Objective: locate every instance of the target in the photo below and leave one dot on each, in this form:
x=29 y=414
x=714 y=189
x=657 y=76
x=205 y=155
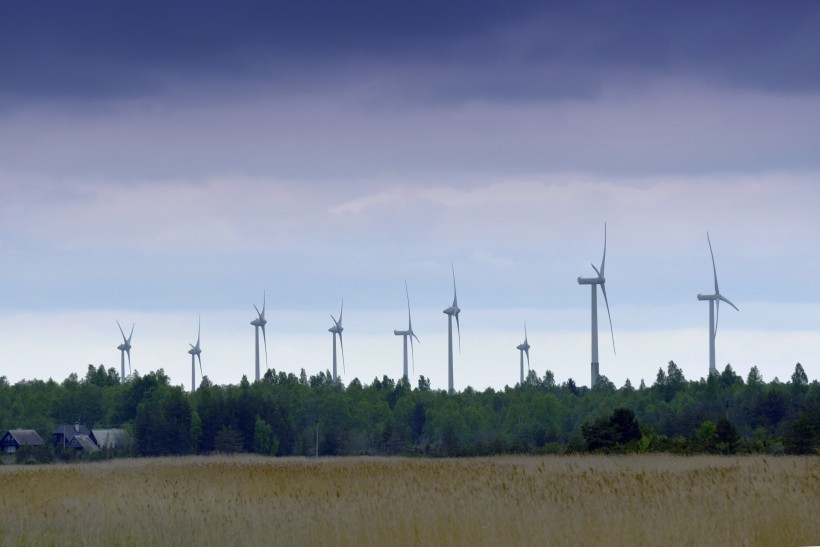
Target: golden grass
x=601 y=500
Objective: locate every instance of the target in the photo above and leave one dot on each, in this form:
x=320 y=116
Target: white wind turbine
x=524 y=348
x=714 y=315
x=195 y=352
x=124 y=348
x=451 y=312
x=337 y=328
x=260 y=321
x=594 y=282
x=408 y=333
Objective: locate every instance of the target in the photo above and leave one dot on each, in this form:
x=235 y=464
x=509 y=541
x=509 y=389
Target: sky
x=165 y=161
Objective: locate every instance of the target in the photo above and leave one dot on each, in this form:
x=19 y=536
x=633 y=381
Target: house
x=15 y=438
x=64 y=433
x=111 y=438
x=82 y=442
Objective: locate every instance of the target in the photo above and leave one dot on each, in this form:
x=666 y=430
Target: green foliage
x=34 y=454
x=801 y=437
x=614 y=433
x=278 y=415
x=228 y=441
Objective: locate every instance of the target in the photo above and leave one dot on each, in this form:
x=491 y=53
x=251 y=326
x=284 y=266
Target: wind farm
x=161 y=165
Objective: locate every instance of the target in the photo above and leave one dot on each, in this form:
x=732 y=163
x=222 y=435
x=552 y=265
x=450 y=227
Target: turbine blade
x=603 y=261
x=192 y=346
x=264 y=302
x=265 y=338
x=334 y=320
x=259 y=313
x=413 y=352
x=455 y=294
x=123 y=334
x=596 y=270
x=717 y=313
x=409 y=320
x=527 y=351
x=128 y=351
x=199 y=358
x=198 y=330
x=342 y=344
x=458 y=326
x=603 y=289
x=341 y=312
x=132 y=333
x=525 y=332
x=714 y=268
x=720 y=296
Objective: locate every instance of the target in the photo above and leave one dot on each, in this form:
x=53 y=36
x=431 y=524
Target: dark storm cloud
x=461 y=49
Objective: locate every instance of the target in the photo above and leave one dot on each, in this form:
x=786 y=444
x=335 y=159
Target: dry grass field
x=629 y=500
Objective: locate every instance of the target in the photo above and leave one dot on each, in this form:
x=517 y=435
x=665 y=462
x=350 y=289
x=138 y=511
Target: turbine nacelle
x=591 y=280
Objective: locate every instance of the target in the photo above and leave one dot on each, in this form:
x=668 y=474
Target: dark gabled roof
x=84 y=442
x=24 y=437
x=69 y=430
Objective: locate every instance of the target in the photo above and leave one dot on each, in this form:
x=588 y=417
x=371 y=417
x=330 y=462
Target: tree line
x=284 y=414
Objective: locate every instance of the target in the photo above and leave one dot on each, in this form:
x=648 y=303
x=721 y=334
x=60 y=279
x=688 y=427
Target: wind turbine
x=453 y=310
x=195 y=352
x=124 y=348
x=714 y=315
x=593 y=282
x=260 y=321
x=408 y=333
x=337 y=328
x=524 y=348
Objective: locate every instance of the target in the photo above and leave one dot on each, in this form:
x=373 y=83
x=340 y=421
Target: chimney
x=77 y=427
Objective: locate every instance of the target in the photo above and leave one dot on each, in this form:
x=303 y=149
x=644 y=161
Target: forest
x=284 y=414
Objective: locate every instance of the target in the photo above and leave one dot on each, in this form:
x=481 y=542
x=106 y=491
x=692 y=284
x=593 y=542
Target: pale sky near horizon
x=162 y=161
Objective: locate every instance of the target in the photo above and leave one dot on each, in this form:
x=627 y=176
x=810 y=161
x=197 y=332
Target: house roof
x=110 y=438
x=70 y=430
x=83 y=442
x=24 y=437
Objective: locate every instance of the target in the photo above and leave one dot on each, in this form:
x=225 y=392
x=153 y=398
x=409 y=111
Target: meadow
x=649 y=500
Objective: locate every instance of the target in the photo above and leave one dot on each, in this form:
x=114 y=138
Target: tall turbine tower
x=594 y=282
x=195 y=352
x=408 y=333
x=452 y=311
x=337 y=328
x=524 y=348
x=260 y=321
x=714 y=315
x=124 y=348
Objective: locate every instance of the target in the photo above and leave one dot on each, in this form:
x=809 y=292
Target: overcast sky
x=161 y=160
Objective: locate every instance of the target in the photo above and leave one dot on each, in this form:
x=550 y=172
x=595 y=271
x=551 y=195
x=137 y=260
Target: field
x=375 y=501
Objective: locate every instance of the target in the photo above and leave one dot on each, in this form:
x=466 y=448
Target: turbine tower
x=124 y=348
x=524 y=348
x=337 y=328
x=594 y=282
x=451 y=312
x=714 y=315
x=408 y=333
x=260 y=321
x=195 y=352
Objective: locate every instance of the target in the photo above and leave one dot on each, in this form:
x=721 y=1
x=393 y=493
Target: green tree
x=801 y=436
x=799 y=377
x=264 y=441
x=228 y=441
